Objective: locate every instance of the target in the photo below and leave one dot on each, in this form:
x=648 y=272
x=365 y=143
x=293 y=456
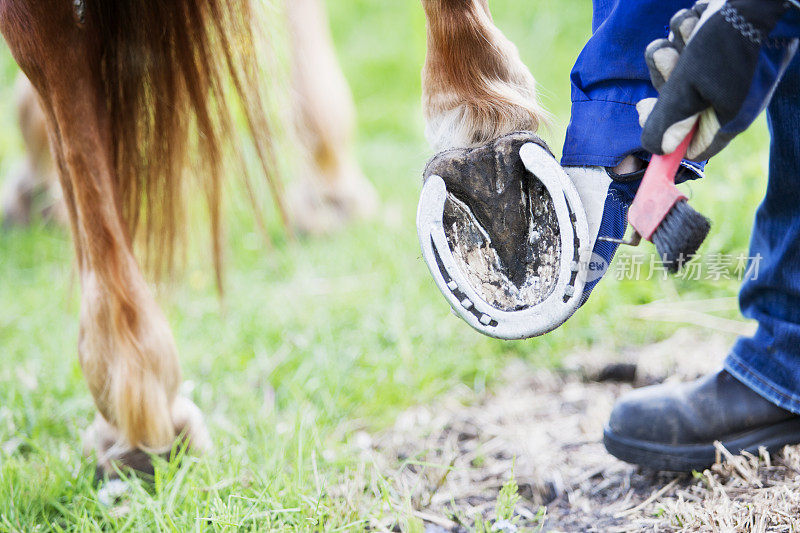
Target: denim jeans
x=609 y=78
x=769 y=362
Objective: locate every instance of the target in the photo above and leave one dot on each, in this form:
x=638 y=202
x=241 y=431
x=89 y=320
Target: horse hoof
x=115 y=455
x=321 y=209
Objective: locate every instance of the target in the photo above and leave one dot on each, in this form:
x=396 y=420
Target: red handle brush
x=660 y=213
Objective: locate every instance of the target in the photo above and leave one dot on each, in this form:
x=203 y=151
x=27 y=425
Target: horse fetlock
x=190 y=425
x=330 y=197
x=469 y=125
x=130 y=361
x=114 y=451
x=475 y=86
x=485 y=109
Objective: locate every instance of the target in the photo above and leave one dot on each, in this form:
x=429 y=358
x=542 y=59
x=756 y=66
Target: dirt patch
x=448 y=462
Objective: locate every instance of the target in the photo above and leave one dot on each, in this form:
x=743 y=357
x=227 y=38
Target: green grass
x=317 y=339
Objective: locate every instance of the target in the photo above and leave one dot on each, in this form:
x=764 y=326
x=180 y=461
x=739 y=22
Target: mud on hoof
x=114 y=454
x=500 y=221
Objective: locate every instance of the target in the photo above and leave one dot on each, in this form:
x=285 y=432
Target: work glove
x=606 y=198
x=718 y=70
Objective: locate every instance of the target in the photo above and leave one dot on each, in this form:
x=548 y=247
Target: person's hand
x=718 y=69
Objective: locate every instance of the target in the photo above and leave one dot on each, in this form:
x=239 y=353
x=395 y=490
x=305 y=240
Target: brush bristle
x=680 y=235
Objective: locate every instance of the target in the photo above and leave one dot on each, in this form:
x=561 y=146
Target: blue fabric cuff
x=603 y=133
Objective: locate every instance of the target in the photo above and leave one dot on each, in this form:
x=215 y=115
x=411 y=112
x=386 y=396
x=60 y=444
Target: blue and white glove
x=606 y=197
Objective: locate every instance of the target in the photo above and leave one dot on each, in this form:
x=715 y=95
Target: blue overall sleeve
x=610 y=77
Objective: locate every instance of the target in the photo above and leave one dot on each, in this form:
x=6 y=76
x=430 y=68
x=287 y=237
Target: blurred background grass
x=321 y=338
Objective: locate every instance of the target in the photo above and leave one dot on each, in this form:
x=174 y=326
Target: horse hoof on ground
x=16 y=202
x=14 y=219
x=321 y=209
x=115 y=455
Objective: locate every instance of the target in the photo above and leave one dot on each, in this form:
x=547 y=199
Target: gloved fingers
x=675 y=134
x=707 y=129
x=644 y=108
x=661 y=57
x=685 y=23
x=663 y=54
x=670 y=120
x=700 y=7
x=682 y=27
x=708 y=140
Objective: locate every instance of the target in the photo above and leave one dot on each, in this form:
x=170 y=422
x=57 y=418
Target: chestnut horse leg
x=36 y=176
x=475 y=87
x=331 y=189
x=125 y=347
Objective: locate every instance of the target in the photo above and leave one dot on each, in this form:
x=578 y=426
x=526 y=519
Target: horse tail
x=178 y=76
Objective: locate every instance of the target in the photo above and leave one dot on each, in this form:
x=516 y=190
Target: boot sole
x=689 y=457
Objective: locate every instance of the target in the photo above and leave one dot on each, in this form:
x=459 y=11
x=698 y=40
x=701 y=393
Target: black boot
x=674 y=427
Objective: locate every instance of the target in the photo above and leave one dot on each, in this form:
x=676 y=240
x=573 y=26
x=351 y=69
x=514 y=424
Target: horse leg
x=33 y=126
x=36 y=177
x=332 y=188
x=16 y=199
x=126 y=349
x=475 y=86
